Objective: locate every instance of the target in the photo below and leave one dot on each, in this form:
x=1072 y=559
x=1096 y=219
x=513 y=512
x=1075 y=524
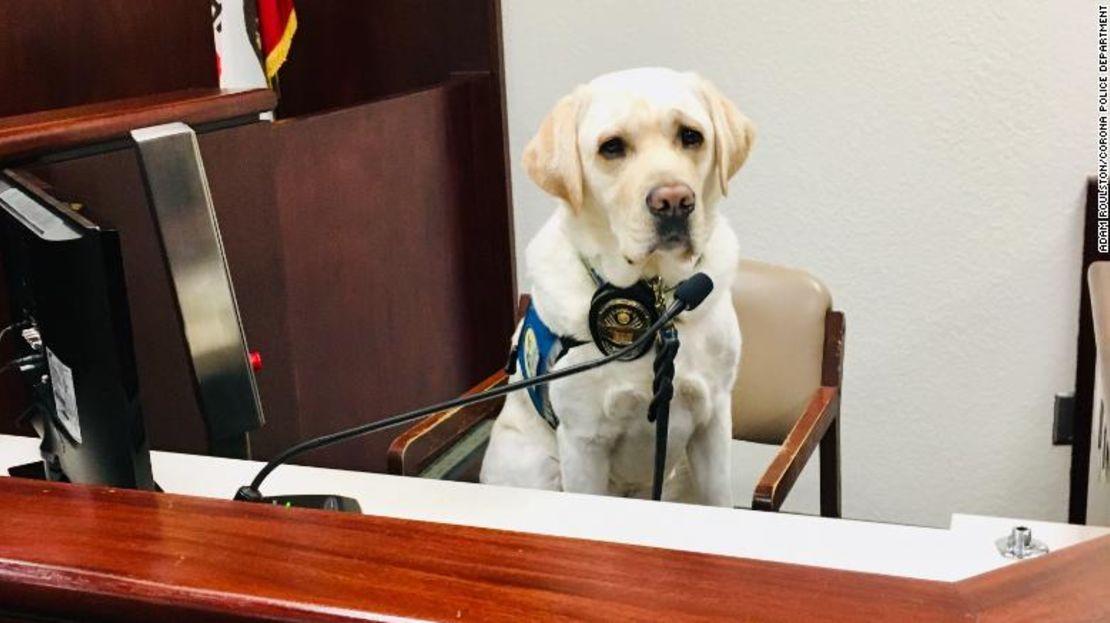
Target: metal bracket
x=1020 y=544
x=1063 y=419
x=180 y=201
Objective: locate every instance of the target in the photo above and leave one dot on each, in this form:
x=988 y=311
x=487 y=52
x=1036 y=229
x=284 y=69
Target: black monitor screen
x=66 y=288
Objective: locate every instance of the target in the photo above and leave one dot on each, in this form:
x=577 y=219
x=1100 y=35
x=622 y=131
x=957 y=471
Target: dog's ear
x=734 y=134
x=551 y=157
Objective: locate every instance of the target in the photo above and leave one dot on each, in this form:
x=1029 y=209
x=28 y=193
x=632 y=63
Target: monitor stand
x=37 y=471
x=34 y=471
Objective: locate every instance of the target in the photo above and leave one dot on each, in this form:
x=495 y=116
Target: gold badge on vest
x=619 y=316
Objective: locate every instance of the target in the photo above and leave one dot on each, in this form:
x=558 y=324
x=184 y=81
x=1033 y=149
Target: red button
x=256 y=361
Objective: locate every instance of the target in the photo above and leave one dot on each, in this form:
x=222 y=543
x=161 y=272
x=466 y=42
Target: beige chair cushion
x=1098 y=490
x=782 y=319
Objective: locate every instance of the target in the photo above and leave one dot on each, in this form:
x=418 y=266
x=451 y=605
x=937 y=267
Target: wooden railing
x=26 y=136
x=91 y=553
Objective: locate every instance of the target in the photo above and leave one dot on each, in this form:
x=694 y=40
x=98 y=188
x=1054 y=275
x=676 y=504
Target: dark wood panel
x=57 y=53
x=399 y=273
x=241 y=173
x=25 y=136
x=486 y=230
x=99 y=553
x=351 y=51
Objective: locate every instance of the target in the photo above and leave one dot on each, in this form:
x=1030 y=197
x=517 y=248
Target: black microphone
x=694 y=290
x=688 y=295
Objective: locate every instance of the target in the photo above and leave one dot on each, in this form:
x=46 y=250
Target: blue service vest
x=538 y=349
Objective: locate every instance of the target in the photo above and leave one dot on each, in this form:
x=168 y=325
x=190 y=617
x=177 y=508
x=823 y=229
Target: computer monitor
x=68 y=298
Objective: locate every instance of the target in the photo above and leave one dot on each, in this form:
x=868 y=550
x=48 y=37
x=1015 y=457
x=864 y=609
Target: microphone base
x=325 y=502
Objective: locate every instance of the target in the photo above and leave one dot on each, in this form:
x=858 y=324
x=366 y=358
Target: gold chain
x=660 y=295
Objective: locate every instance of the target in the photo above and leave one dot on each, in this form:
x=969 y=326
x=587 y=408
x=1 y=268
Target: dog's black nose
x=671 y=200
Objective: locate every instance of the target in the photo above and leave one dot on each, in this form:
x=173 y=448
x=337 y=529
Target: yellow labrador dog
x=637 y=160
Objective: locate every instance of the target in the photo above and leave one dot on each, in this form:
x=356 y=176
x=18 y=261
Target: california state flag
x=252 y=40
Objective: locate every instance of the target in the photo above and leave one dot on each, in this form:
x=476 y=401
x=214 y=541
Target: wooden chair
x=787 y=392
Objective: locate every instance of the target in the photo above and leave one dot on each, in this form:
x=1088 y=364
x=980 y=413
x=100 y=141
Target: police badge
x=619 y=316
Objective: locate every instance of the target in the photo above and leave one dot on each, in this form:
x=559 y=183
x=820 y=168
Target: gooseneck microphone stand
x=688 y=295
x=659 y=411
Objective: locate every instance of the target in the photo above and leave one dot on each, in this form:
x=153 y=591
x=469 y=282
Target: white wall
x=927 y=160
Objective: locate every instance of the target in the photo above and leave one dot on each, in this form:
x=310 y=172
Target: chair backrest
x=1098 y=489
x=782 y=315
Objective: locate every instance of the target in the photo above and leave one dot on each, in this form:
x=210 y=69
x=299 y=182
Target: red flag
x=277 y=21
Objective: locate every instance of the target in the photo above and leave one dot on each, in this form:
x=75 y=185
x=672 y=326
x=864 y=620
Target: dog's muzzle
x=670 y=206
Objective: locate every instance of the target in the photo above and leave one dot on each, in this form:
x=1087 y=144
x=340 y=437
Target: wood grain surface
x=62 y=53
x=397 y=259
x=92 y=553
x=24 y=136
x=349 y=52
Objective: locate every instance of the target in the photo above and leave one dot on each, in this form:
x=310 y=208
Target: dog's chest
x=613 y=401
x=624 y=427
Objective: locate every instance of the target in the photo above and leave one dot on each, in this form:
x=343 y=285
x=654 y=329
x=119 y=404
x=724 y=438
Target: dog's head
x=645 y=154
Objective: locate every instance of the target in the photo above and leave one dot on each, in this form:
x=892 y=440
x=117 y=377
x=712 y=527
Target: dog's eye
x=612 y=148
x=690 y=137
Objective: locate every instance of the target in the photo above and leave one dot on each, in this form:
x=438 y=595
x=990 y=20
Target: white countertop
x=965 y=549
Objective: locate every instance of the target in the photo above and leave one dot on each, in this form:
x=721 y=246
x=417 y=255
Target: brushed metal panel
x=179 y=198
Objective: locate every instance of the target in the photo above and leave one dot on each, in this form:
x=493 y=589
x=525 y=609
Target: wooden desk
x=94 y=553
x=34 y=134
x=88 y=553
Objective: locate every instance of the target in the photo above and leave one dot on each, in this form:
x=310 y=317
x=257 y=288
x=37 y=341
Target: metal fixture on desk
x=1020 y=544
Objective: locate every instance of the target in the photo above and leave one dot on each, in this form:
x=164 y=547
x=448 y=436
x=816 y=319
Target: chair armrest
x=823 y=409
x=418 y=446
